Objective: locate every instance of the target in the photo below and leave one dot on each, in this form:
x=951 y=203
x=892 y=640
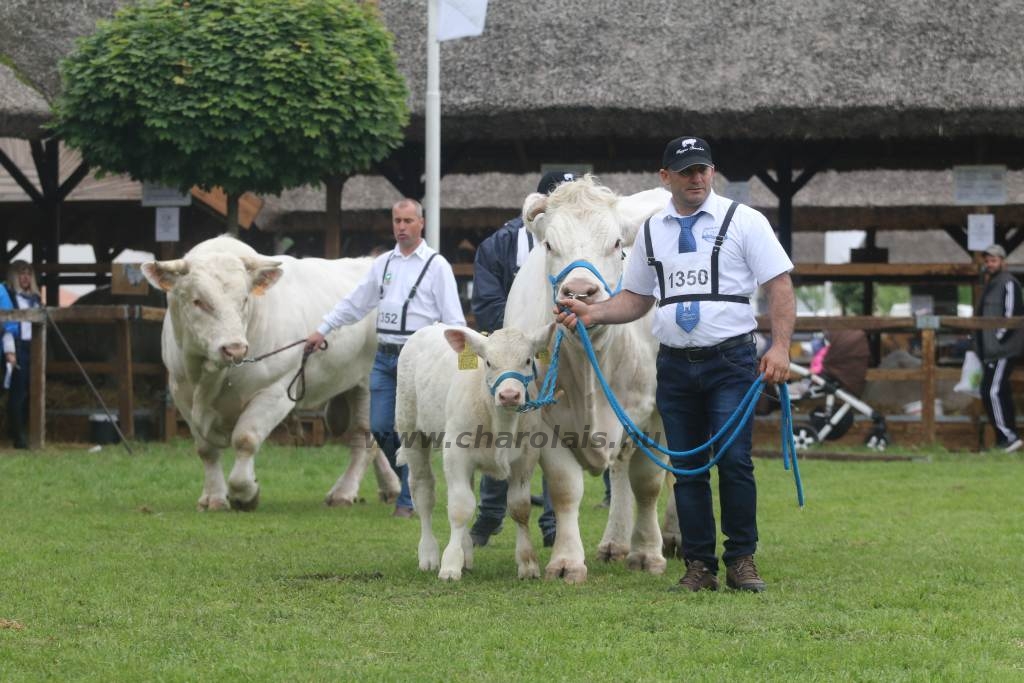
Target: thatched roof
x=648 y=70
x=731 y=69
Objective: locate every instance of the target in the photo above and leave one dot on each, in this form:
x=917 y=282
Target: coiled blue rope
x=745 y=408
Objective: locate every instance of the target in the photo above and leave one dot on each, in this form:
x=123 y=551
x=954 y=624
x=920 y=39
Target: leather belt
x=390 y=349
x=697 y=354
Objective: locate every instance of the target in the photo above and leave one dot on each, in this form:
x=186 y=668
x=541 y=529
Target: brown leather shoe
x=742 y=575
x=402 y=511
x=697 y=578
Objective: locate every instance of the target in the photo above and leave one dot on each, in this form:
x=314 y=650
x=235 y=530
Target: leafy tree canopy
x=250 y=95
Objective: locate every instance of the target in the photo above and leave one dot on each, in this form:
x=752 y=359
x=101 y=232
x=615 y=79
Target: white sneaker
x=1015 y=446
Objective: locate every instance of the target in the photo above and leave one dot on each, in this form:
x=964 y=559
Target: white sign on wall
x=979 y=185
x=167 y=223
x=981 y=231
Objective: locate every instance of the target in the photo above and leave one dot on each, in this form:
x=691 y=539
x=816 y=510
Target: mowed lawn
x=893 y=571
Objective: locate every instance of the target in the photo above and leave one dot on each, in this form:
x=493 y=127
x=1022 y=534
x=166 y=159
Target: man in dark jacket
x=998 y=348
x=498 y=259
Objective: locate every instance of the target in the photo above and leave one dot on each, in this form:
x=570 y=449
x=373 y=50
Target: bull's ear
x=637 y=208
x=540 y=338
x=264 y=273
x=164 y=274
x=533 y=214
x=459 y=338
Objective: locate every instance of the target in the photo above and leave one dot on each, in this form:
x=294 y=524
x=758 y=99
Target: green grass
x=893 y=571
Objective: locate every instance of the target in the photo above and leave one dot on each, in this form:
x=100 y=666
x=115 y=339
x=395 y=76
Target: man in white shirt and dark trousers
x=411 y=286
x=701 y=259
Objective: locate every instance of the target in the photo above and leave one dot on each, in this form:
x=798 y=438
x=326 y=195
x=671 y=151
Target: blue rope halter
x=511 y=374
x=546 y=395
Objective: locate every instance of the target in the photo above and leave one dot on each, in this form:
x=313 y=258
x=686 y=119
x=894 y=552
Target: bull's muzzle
x=234 y=352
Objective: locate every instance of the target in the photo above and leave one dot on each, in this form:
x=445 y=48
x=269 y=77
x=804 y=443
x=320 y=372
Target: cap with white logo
x=685 y=152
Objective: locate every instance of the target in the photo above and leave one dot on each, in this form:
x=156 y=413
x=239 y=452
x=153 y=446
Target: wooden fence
x=123 y=317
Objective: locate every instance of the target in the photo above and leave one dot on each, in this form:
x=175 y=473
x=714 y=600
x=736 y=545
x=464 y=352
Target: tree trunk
x=332 y=227
x=232 y=213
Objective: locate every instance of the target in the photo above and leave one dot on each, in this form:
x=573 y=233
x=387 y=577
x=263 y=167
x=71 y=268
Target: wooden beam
x=928 y=384
x=126 y=393
x=72 y=181
x=37 y=389
x=19 y=177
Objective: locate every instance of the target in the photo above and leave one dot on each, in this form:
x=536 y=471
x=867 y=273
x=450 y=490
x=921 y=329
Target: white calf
x=473 y=414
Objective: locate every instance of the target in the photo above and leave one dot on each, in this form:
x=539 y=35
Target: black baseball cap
x=552 y=179
x=685 y=152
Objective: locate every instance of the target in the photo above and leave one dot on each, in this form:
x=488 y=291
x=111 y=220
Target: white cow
x=585 y=221
x=226 y=303
x=476 y=411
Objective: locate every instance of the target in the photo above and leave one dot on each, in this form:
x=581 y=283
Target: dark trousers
x=383 y=382
x=695 y=400
x=17 y=396
x=997 y=396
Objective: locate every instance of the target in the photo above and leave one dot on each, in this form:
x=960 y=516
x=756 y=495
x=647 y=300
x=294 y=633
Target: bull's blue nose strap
x=557 y=279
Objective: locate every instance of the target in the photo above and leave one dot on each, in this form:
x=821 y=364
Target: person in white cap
x=998 y=348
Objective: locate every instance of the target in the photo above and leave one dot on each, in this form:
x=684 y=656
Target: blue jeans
x=17 y=397
x=383 y=380
x=695 y=400
x=494 y=504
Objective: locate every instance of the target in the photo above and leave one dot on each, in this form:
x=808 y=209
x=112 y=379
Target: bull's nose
x=234 y=352
x=510 y=397
x=578 y=290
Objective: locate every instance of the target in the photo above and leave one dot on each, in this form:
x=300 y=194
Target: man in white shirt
x=411 y=286
x=701 y=259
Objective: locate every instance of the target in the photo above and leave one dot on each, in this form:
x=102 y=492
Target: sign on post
x=979 y=185
x=161 y=195
x=981 y=231
x=167 y=222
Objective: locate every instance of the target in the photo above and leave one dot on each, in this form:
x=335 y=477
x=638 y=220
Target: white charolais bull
x=476 y=411
x=225 y=303
x=583 y=221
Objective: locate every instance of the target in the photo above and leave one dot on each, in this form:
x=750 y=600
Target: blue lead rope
x=745 y=408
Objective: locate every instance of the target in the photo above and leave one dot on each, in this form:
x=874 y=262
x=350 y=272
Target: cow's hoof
x=612 y=552
x=246 y=505
x=570 y=572
x=388 y=497
x=450 y=575
x=529 y=570
x=671 y=545
x=339 y=501
x=646 y=562
x=212 y=504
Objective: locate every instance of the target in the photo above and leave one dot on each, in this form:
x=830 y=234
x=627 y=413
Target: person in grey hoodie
x=998 y=348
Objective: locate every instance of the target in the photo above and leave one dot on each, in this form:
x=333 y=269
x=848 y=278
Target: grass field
x=893 y=571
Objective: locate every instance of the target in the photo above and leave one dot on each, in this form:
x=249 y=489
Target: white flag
x=461 y=19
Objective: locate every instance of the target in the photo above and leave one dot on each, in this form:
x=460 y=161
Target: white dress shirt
x=750 y=256
x=436 y=300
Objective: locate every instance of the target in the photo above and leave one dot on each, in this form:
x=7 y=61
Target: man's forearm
x=782 y=308
x=624 y=307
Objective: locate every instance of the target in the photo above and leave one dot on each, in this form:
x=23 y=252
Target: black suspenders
x=713 y=295
x=412 y=293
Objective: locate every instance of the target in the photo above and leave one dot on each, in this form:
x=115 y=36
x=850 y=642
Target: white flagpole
x=432 y=199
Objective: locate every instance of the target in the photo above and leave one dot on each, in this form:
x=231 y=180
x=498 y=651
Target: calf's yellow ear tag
x=544 y=356
x=467 y=359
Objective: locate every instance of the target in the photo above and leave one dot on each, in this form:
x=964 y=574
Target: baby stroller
x=839 y=381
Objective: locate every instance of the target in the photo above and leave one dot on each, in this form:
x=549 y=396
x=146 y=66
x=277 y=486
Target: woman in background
x=23 y=292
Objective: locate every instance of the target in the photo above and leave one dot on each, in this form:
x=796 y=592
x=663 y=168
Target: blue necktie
x=687 y=312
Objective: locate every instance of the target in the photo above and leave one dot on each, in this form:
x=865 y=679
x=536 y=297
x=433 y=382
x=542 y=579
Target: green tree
x=248 y=95
x=850 y=296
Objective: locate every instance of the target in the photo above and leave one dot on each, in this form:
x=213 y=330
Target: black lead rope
x=300 y=376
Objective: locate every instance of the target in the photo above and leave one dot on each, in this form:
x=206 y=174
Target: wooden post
x=928 y=385
x=126 y=402
x=37 y=389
